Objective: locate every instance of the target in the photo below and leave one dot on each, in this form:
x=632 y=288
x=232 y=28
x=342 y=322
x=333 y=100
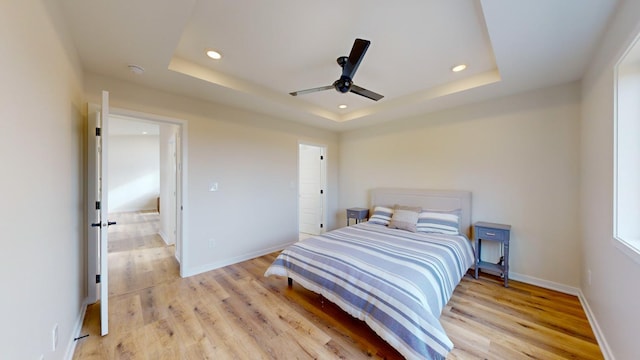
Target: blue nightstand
x=358 y=214
x=492 y=232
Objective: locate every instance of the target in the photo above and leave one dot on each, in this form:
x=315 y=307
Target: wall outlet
x=54 y=338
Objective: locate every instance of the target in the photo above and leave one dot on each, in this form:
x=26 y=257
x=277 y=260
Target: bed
x=396 y=281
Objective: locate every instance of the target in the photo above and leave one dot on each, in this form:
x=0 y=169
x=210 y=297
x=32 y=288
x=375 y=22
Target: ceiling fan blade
x=355 y=57
x=366 y=93
x=308 y=91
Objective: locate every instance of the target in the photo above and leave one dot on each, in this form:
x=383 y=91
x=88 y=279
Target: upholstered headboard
x=428 y=200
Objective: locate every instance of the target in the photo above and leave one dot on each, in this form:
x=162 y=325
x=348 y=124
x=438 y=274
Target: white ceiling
x=271 y=48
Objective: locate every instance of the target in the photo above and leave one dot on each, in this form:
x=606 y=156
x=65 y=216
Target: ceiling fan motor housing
x=343 y=84
x=349 y=65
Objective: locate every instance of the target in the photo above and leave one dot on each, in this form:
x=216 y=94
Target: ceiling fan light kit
x=349 y=66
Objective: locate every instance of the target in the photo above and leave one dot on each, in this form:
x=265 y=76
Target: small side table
x=358 y=214
x=492 y=232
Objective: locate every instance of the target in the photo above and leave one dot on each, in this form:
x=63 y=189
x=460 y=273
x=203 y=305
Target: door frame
x=181 y=175
x=323 y=183
x=181 y=184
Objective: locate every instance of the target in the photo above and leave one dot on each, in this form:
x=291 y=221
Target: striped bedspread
x=396 y=281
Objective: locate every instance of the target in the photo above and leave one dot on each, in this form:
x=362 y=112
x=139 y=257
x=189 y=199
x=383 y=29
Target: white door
x=98 y=209
x=312 y=192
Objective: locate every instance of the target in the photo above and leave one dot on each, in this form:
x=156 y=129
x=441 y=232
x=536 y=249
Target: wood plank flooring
x=236 y=313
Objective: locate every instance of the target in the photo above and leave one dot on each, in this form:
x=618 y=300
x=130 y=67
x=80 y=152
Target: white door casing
x=180 y=193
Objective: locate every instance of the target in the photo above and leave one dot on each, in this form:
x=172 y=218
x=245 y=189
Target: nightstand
x=358 y=214
x=492 y=232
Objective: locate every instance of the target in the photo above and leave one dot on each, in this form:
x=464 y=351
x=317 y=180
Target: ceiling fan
x=349 y=66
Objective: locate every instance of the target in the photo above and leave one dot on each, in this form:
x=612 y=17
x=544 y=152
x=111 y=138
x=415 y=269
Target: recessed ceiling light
x=458 y=68
x=342 y=106
x=214 y=54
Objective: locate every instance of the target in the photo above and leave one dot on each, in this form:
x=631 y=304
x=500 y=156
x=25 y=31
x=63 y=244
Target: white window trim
x=629 y=247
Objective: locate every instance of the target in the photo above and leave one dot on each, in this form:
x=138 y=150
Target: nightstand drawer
x=491 y=234
x=357 y=213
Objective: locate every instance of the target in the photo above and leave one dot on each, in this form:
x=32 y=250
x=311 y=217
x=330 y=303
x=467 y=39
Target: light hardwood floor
x=236 y=313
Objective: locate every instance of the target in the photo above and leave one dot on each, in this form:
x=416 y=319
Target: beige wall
x=613 y=292
x=254 y=160
x=41 y=187
x=134 y=172
x=518 y=155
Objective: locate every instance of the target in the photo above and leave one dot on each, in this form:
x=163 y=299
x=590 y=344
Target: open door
x=98 y=209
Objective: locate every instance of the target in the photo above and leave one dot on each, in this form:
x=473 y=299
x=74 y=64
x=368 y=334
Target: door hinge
x=321 y=157
x=97 y=205
x=98 y=131
x=321 y=226
x=321 y=191
x=98 y=279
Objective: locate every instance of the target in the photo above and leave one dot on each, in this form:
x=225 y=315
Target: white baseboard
x=602 y=342
x=545 y=284
x=165 y=238
x=231 y=261
x=77 y=328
